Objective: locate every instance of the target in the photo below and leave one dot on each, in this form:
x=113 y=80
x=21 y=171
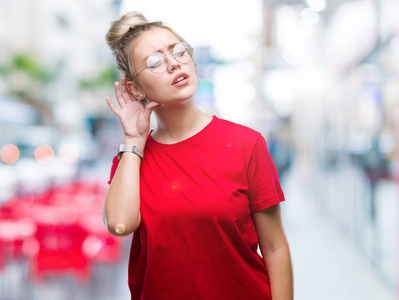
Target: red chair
x=13 y=234
x=60 y=252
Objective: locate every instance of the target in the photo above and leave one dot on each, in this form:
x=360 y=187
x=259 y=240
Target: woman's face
x=163 y=87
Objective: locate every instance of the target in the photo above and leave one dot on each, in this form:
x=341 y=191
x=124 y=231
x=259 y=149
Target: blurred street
x=326 y=264
x=317 y=78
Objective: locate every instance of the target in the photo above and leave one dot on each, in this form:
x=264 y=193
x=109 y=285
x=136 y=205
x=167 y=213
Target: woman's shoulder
x=237 y=130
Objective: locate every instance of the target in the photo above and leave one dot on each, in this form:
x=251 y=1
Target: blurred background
x=318 y=78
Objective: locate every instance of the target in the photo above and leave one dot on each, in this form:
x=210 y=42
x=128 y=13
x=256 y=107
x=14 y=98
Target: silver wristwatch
x=130 y=148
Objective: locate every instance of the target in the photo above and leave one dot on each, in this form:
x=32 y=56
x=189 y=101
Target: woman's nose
x=172 y=62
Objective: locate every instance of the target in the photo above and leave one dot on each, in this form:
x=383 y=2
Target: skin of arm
x=275 y=251
x=122 y=202
x=121 y=207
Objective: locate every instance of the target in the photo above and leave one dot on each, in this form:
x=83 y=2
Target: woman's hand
x=135 y=119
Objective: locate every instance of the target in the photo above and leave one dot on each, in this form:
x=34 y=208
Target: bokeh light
x=317 y=5
x=44 y=154
x=310 y=16
x=9 y=153
x=68 y=153
x=92 y=245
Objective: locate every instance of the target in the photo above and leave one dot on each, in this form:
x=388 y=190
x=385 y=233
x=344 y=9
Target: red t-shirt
x=197 y=238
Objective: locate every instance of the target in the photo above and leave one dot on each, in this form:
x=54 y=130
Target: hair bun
x=120 y=27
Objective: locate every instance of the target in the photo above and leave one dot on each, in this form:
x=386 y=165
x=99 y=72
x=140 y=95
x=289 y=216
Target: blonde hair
x=121 y=36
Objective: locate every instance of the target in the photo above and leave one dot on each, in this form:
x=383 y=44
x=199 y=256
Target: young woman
x=198 y=192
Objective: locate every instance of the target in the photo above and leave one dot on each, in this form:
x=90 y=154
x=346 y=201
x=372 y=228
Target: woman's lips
x=180 y=79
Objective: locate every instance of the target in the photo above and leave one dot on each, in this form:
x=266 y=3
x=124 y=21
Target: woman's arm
x=122 y=202
x=275 y=250
x=121 y=208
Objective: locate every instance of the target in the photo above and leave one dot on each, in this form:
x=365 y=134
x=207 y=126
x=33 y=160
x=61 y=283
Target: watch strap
x=130 y=148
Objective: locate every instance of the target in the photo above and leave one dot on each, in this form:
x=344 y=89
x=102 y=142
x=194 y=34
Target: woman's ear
x=132 y=89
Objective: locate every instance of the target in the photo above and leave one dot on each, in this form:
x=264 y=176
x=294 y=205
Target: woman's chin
x=181 y=101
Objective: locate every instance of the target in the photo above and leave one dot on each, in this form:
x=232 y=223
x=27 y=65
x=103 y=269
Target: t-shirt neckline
x=187 y=143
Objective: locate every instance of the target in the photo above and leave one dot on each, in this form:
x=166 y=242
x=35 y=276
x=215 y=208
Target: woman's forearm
x=122 y=202
x=279 y=267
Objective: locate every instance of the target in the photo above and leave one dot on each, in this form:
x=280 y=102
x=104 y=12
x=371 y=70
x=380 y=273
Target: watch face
x=138 y=151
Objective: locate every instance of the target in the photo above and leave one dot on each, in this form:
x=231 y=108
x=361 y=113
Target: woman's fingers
x=131 y=110
x=148 y=110
x=118 y=94
x=111 y=105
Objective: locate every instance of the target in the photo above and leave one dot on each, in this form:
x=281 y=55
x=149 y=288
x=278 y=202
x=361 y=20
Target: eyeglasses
x=156 y=62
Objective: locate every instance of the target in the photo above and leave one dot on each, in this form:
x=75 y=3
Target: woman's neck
x=178 y=122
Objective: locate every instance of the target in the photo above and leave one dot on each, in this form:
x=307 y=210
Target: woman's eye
x=154 y=64
x=154 y=61
x=180 y=52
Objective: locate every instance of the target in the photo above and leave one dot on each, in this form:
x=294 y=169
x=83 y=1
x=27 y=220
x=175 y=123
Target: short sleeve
x=263 y=182
x=114 y=166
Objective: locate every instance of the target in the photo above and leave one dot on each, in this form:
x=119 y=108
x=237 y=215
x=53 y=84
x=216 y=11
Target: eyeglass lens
x=157 y=63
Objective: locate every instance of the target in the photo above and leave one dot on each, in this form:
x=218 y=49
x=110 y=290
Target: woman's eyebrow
x=170 y=46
